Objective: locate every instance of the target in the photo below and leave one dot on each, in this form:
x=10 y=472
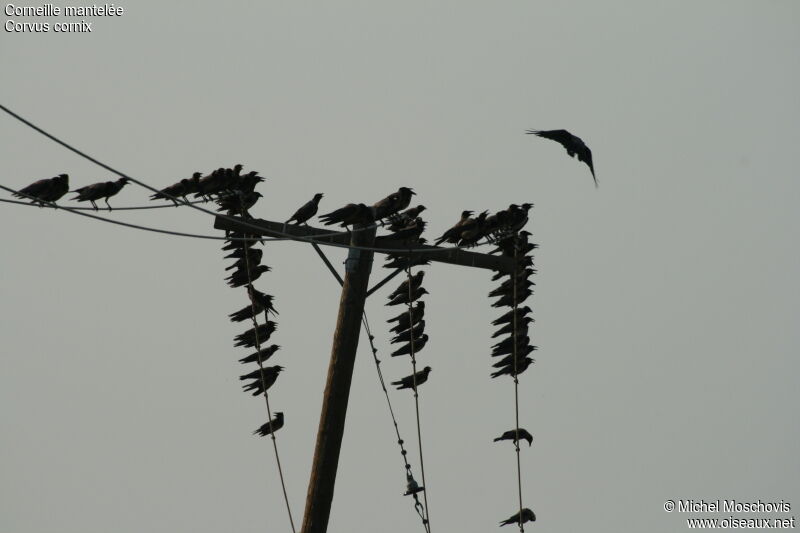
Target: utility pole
x=345 y=341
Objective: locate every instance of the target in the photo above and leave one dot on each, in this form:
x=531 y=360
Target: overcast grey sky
x=666 y=300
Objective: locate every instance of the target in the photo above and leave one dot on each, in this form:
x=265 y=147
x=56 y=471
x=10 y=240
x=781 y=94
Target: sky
x=665 y=300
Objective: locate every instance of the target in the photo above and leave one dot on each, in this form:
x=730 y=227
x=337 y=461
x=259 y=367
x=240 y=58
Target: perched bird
x=253 y=254
x=508 y=298
x=237 y=202
x=178 y=190
x=401 y=220
x=508 y=360
x=416 y=281
x=404 y=297
x=272 y=426
x=240 y=278
x=248 y=338
x=409 y=334
x=404 y=321
x=526 y=515
x=263 y=355
x=260 y=302
x=234 y=241
x=506 y=345
x=511 y=435
x=522 y=325
x=473 y=230
x=259 y=386
x=96 y=191
x=507 y=288
x=403 y=261
x=408 y=233
x=248 y=182
x=307 y=210
x=47 y=190
x=408 y=381
x=392 y=204
x=574 y=145
x=348 y=215
x=453 y=234
x=507 y=317
x=522 y=366
x=419 y=344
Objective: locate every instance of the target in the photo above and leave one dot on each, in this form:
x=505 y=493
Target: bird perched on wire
x=522 y=366
x=574 y=146
x=253 y=254
x=248 y=338
x=507 y=289
x=511 y=435
x=261 y=355
x=307 y=210
x=409 y=334
x=349 y=215
x=46 y=190
x=506 y=345
x=240 y=278
x=272 y=426
x=408 y=381
x=419 y=344
x=523 y=349
x=403 y=298
x=454 y=233
x=526 y=515
x=404 y=321
x=394 y=203
x=260 y=302
x=522 y=325
x=258 y=386
x=507 y=318
x=103 y=189
x=416 y=281
x=180 y=189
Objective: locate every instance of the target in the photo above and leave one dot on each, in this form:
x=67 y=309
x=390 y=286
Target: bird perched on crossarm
x=306 y=211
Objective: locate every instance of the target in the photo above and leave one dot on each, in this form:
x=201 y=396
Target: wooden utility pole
x=345 y=340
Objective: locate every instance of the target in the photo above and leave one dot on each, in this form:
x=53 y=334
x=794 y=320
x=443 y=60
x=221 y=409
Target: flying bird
x=307 y=210
x=408 y=381
x=574 y=145
x=526 y=515
x=96 y=191
x=272 y=426
x=47 y=190
x=511 y=435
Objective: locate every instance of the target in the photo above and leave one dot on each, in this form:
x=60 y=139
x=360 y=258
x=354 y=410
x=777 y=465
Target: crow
x=403 y=298
x=348 y=215
x=178 y=190
x=237 y=202
x=522 y=324
x=527 y=516
x=409 y=233
x=416 y=281
x=508 y=299
x=507 y=288
x=248 y=338
x=401 y=220
x=46 y=190
x=272 y=426
x=412 y=333
x=264 y=354
x=574 y=146
x=394 y=203
x=96 y=191
x=260 y=303
x=508 y=360
x=404 y=321
x=473 y=230
x=506 y=346
x=258 y=386
x=522 y=366
x=507 y=317
x=404 y=261
x=453 y=234
x=240 y=278
x=511 y=435
x=408 y=381
x=254 y=254
x=419 y=344
x=307 y=210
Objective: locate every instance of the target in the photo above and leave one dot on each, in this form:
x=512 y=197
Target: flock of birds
x=235 y=194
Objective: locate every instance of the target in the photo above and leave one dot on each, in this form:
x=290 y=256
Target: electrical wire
x=133 y=208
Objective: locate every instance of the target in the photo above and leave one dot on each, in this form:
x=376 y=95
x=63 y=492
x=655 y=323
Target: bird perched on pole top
x=394 y=203
x=408 y=381
x=574 y=146
x=96 y=191
x=526 y=515
x=47 y=190
x=307 y=210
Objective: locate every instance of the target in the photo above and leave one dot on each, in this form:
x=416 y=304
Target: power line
x=110 y=210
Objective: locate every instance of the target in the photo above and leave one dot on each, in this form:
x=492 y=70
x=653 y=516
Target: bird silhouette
x=272 y=426
x=258 y=386
x=404 y=321
x=526 y=515
x=307 y=210
x=263 y=355
x=419 y=344
x=409 y=334
x=403 y=298
x=248 y=338
x=96 y=191
x=454 y=233
x=408 y=381
x=416 y=281
x=511 y=435
x=507 y=317
x=394 y=203
x=574 y=146
x=522 y=366
x=46 y=190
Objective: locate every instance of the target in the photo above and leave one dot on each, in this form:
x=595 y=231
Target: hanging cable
x=129 y=208
x=516 y=380
x=427 y=520
x=264 y=381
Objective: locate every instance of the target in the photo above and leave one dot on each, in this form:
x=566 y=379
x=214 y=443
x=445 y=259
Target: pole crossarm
x=453 y=256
